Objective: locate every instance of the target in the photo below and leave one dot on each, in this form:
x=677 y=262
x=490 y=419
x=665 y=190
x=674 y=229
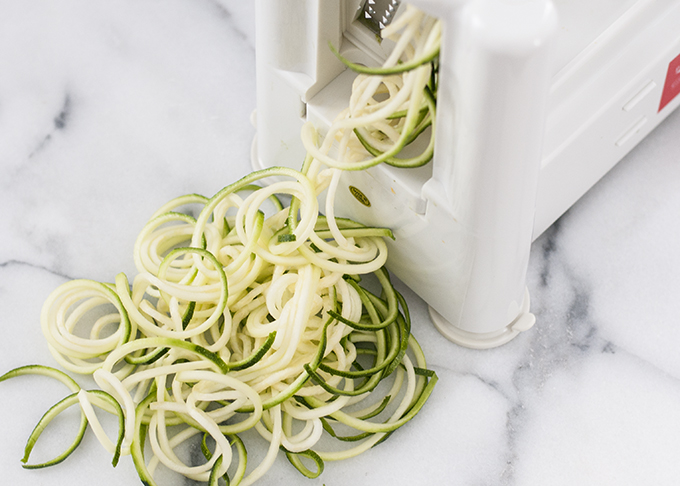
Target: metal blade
x=377 y=14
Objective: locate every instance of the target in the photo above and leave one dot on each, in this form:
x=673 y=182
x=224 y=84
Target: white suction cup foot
x=524 y=321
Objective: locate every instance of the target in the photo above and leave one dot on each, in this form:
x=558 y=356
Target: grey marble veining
x=109 y=109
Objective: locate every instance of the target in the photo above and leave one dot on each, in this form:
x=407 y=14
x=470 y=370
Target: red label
x=671 y=88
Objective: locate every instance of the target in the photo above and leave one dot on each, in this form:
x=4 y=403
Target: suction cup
x=524 y=321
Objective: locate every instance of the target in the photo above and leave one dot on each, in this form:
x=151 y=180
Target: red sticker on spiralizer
x=671 y=87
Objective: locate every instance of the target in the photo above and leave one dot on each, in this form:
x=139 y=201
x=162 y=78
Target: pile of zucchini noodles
x=254 y=315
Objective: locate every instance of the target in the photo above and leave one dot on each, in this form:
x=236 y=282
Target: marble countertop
x=110 y=109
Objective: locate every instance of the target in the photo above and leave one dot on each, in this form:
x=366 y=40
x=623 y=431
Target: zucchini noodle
x=389 y=106
x=259 y=314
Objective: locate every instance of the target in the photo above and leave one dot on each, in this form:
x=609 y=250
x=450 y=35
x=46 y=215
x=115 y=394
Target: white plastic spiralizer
x=537 y=100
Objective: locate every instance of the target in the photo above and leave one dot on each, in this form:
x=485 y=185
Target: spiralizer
x=537 y=100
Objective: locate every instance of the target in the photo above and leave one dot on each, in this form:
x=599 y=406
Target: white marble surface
x=108 y=109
